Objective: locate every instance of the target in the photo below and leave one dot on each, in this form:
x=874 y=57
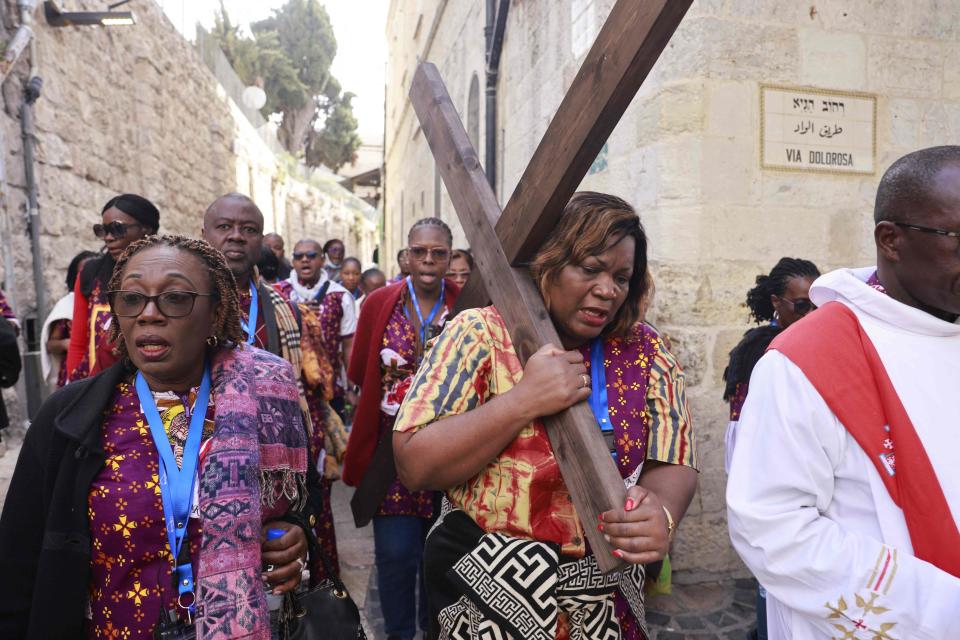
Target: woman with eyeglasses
x=124 y=220
x=142 y=495
x=779 y=299
x=396 y=323
x=461 y=266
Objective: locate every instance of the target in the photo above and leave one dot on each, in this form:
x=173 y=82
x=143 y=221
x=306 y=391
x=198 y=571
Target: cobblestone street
x=722 y=610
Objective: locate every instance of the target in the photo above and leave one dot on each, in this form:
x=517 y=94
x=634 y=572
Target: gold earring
x=213 y=341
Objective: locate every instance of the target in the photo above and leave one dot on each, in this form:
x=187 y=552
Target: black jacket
x=9 y=363
x=44 y=531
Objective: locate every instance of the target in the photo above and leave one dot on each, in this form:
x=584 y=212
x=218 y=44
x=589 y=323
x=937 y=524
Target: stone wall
x=686 y=154
x=134 y=109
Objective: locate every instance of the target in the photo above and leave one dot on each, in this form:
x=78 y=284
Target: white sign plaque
x=817 y=130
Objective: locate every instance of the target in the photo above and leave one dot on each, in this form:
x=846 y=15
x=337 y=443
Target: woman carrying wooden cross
x=510 y=556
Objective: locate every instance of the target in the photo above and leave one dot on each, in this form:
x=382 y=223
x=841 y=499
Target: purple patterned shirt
x=131 y=565
x=401 y=338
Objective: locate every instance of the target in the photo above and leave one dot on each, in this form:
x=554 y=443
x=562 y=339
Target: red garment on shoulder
x=838 y=358
x=365 y=371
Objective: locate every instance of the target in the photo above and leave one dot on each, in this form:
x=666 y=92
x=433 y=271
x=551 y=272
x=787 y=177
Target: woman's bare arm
x=449 y=452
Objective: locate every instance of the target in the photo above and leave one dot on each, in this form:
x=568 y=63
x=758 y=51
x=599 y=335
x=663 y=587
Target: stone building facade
x=687 y=155
x=135 y=109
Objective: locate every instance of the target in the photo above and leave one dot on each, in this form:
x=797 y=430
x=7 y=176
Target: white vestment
x=808 y=511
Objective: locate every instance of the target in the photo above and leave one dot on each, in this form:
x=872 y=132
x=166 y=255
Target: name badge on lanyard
x=177 y=483
x=598 y=394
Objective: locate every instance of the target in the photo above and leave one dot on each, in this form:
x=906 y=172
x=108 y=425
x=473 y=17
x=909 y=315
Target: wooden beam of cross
x=634 y=35
x=626 y=49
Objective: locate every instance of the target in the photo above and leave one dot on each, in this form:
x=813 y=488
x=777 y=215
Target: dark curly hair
x=775 y=283
x=227 y=329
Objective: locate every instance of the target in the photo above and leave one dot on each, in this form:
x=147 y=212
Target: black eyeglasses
x=172 y=304
x=801 y=307
x=420 y=253
x=939 y=232
x=309 y=255
x=115 y=229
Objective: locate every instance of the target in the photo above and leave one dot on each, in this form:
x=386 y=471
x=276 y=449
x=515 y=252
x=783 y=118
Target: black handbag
x=324 y=612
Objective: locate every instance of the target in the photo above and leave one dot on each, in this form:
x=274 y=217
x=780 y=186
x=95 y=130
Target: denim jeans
x=398 y=546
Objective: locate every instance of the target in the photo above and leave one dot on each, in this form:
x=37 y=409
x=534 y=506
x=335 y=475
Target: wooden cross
x=634 y=35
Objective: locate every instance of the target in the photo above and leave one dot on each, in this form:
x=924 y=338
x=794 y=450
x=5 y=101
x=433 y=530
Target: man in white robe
x=810 y=510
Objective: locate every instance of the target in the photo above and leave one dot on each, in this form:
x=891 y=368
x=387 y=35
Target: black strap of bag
x=325 y=610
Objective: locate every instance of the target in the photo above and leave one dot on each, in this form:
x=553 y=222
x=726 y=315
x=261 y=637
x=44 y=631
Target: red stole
x=365 y=370
x=840 y=361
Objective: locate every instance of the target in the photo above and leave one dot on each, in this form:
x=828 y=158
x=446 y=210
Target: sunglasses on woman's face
x=115 y=229
x=309 y=255
x=421 y=253
x=800 y=307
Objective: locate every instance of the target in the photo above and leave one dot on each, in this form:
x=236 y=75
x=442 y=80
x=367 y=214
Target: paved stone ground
x=724 y=610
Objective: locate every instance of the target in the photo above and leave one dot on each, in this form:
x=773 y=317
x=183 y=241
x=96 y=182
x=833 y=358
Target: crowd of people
x=211 y=390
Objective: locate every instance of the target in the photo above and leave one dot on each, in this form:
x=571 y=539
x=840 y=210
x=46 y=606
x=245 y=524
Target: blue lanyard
x=250 y=326
x=176 y=483
x=598 y=386
x=433 y=312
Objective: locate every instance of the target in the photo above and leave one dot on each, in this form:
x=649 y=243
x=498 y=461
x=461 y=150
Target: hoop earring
x=213 y=341
x=776 y=314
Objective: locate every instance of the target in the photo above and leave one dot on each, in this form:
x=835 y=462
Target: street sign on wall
x=817 y=130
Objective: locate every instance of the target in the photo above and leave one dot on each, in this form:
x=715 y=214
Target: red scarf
x=838 y=358
x=365 y=371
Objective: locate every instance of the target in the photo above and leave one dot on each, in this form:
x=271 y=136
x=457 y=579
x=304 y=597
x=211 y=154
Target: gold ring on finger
x=585 y=379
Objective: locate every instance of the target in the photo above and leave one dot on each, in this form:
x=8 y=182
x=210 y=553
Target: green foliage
x=289 y=55
x=337 y=142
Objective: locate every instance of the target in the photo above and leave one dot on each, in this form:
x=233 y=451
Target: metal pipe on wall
x=34 y=321
x=493 y=37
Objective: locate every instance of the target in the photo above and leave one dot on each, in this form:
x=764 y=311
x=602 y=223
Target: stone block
x=816 y=192
x=673 y=232
x=732 y=109
x=899 y=122
x=832 y=60
x=951 y=71
x=693 y=296
x=730 y=172
x=785 y=12
x=726 y=340
x=850 y=239
x=679 y=170
x=53 y=151
x=690 y=348
x=908 y=68
x=710 y=47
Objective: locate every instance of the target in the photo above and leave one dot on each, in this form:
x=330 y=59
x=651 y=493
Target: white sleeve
x=348 y=322
x=781 y=488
